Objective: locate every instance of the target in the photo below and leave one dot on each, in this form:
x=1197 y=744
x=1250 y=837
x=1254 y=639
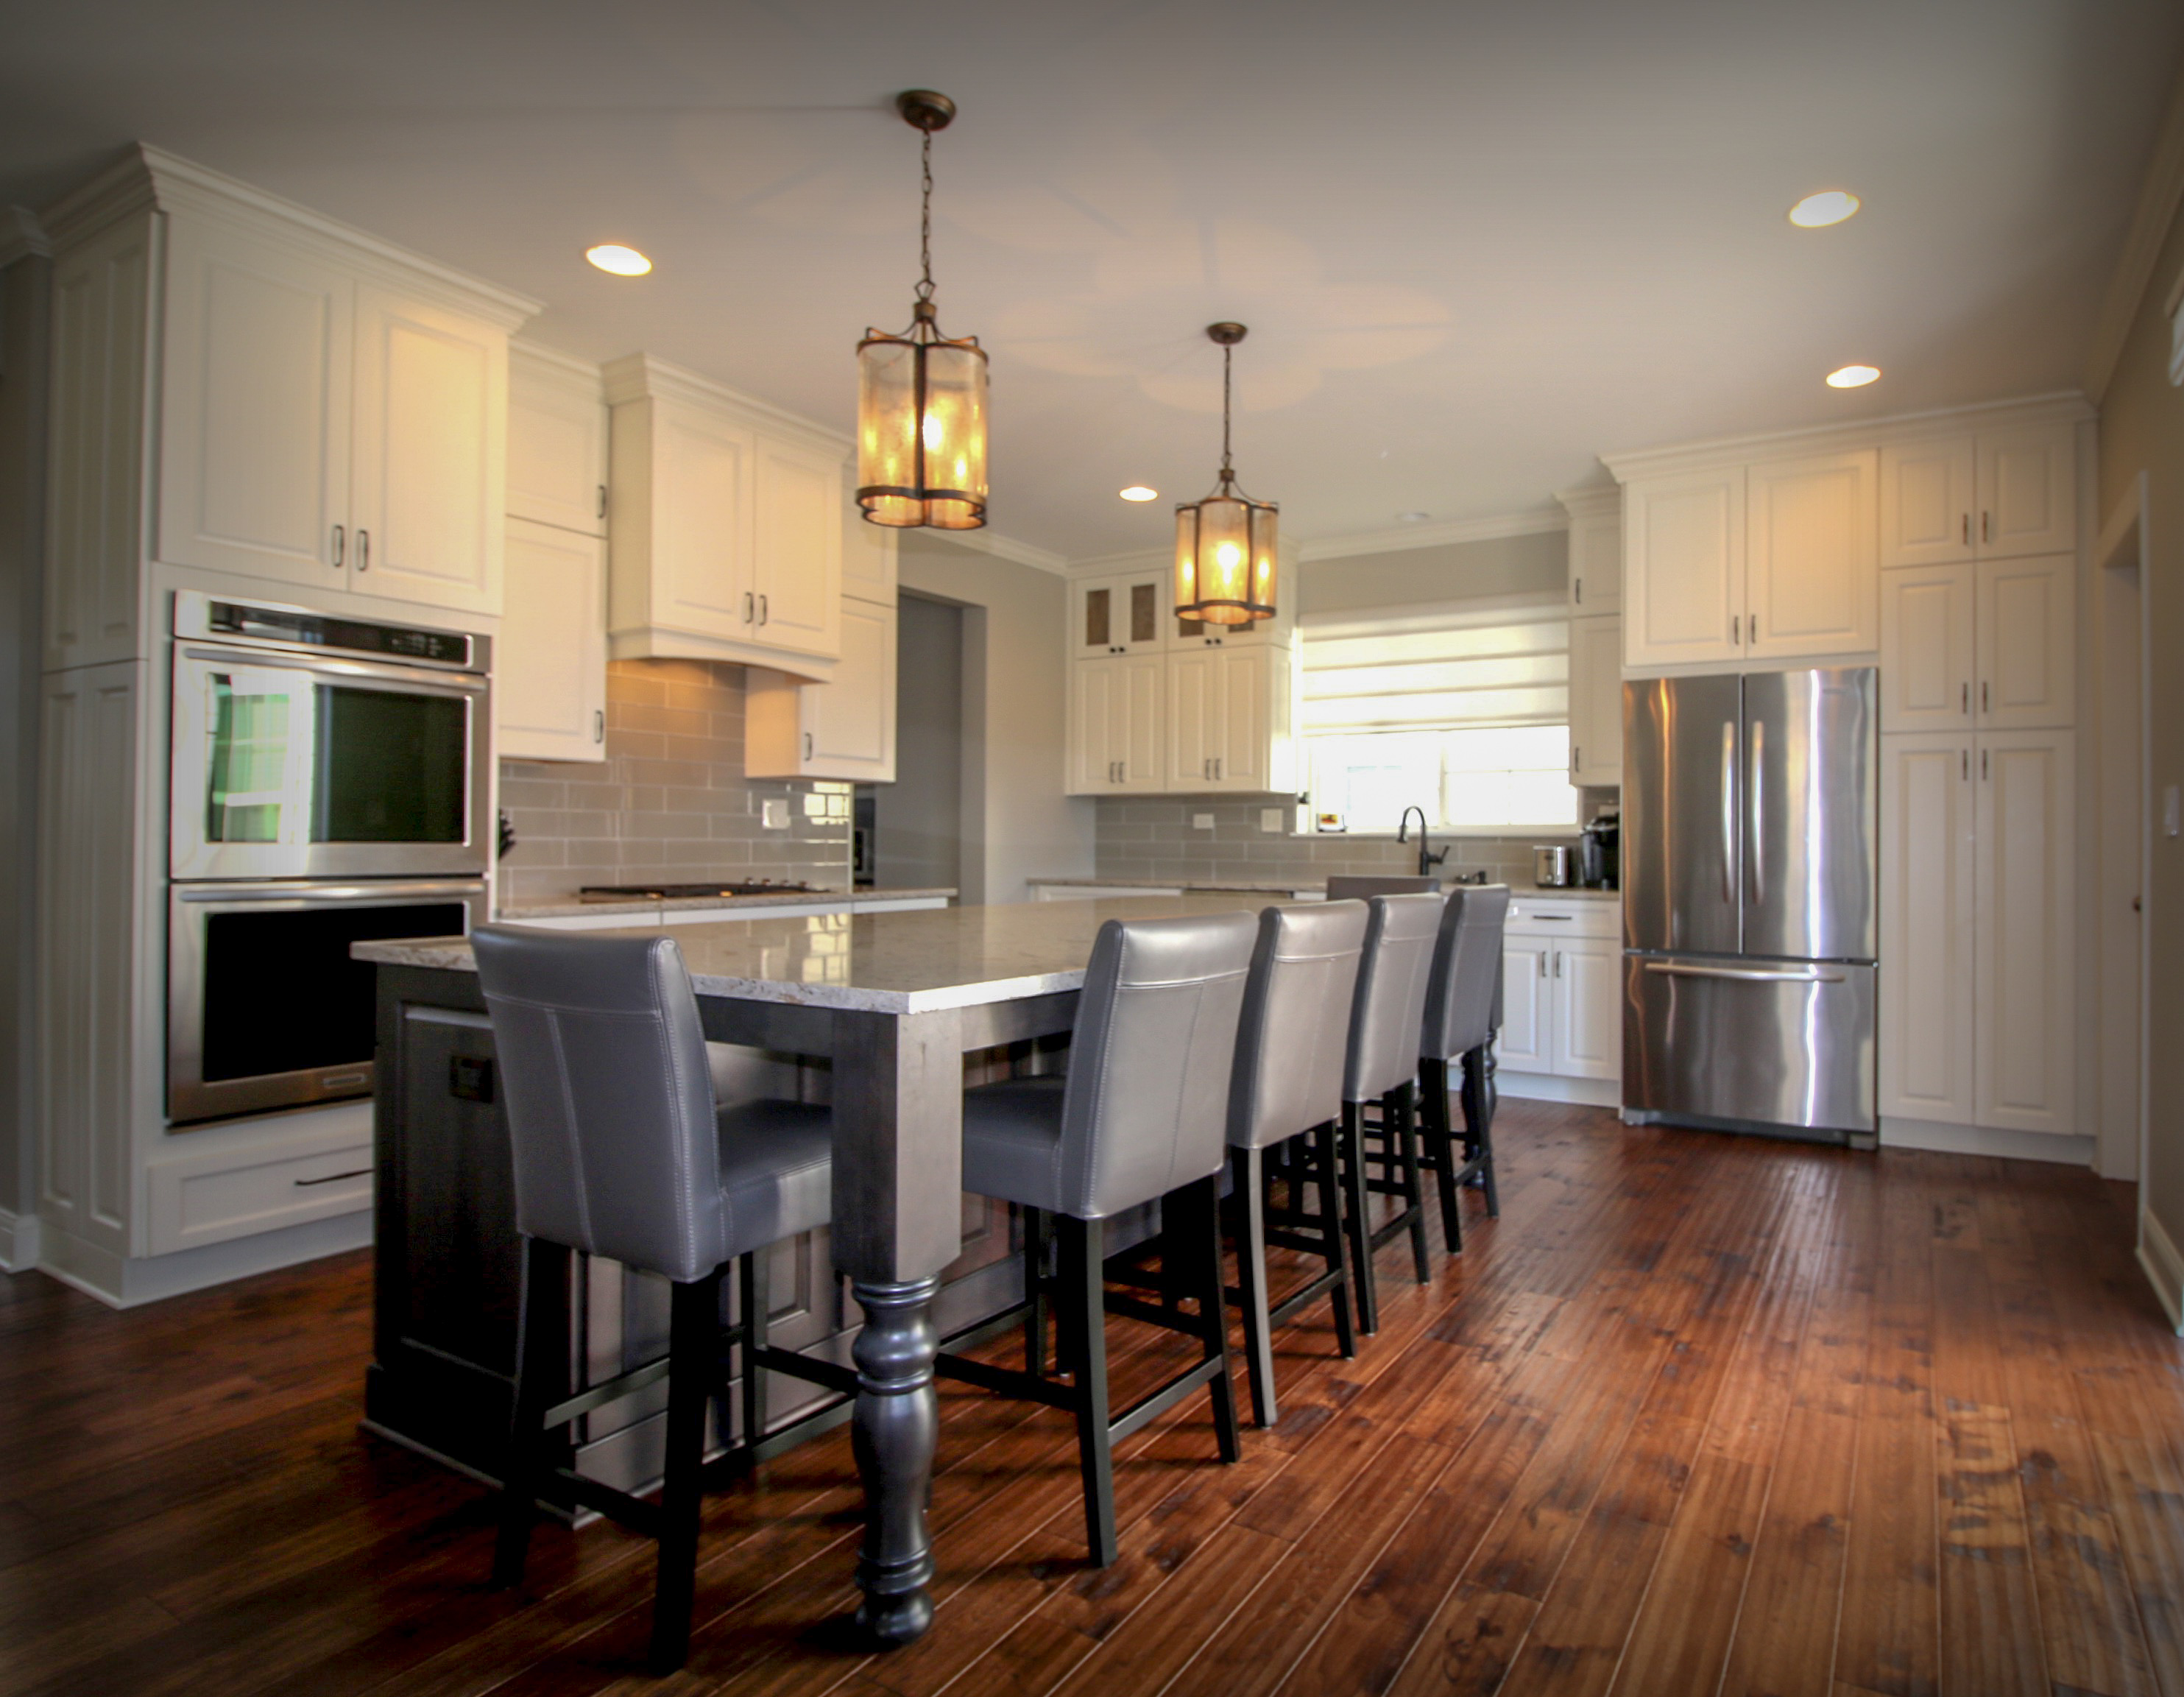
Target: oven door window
x=258 y=778
x=282 y=994
x=391 y=766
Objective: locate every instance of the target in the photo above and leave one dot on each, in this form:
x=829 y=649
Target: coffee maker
x=1599 y=851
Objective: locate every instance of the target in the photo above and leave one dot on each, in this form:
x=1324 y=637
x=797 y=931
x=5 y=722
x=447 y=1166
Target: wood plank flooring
x=1699 y=1414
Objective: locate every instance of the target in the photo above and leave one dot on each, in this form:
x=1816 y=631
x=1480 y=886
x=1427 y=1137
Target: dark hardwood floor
x=1699 y=1412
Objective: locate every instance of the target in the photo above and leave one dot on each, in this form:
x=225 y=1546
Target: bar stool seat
x=777 y=1169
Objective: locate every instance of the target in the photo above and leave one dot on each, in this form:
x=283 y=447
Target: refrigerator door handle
x=1748 y=974
x=1757 y=858
x=1729 y=811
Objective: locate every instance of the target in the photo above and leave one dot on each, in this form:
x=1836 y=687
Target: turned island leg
x=894 y=1430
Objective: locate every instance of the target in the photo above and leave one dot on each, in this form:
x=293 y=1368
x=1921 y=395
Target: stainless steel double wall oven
x=329 y=784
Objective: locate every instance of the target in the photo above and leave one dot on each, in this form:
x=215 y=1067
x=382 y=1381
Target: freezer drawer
x=1773 y=1042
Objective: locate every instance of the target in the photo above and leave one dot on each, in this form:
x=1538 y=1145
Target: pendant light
x=921 y=397
x=1224 y=544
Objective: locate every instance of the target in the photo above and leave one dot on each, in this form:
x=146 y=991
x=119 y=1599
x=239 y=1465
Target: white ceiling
x=1477 y=243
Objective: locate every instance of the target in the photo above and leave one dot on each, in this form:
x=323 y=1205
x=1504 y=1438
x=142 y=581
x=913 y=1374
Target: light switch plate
x=1270 y=821
x=773 y=813
x=1202 y=821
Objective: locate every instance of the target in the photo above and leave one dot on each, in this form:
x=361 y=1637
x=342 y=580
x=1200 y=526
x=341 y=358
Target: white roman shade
x=1495 y=660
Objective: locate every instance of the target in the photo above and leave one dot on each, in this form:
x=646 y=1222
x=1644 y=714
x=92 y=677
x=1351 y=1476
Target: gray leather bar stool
x=1463 y=1009
x=1140 y=1116
x=620 y=1151
x=1291 y=1045
x=1379 y=1087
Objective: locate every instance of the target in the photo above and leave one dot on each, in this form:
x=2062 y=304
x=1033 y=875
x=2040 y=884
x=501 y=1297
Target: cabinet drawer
x=208 y=1196
x=1537 y=916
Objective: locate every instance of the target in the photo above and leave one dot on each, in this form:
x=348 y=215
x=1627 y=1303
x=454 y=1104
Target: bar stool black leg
x=1247 y=1204
x=1400 y=1108
x=692 y=1372
x=1439 y=1137
x=1038 y=1234
x=1357 y=1209
x=1085 y=1293
x=1326 y=1141
x=758 y=1306
x=1479 y=1121
x=1201 y=1203
x=540 y=1381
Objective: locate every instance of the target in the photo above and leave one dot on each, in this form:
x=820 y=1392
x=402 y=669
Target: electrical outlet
x=1270 y=821
x=773 y=814
x=1202 y=821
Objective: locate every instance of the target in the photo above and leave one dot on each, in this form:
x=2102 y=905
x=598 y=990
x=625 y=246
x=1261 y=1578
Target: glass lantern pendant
x=920 y=397
x=1225 y=543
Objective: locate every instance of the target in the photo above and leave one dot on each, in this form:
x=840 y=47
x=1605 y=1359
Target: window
x=1463 y=711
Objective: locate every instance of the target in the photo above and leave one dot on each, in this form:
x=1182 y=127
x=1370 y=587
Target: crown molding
x=148 y=176
x=1006 y=548
x=1538 y=522
x=540 y=354
x=20 y=236
x=2160 y=193
x=1594 y=500
x=2068 y=407
x=645 y=376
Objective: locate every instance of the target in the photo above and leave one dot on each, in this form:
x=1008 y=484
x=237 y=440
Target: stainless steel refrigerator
x=1751 y=901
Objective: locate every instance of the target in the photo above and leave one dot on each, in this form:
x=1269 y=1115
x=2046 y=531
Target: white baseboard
x=1984 y=1140
x=2163 y=1266
x=1592 y=1092
x=125 y=1283
x=18 y=1242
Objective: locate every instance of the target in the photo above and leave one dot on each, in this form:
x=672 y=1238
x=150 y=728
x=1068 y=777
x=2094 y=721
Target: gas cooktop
x=689 y=893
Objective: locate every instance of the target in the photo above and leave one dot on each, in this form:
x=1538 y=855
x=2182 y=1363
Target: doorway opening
x=911 y=831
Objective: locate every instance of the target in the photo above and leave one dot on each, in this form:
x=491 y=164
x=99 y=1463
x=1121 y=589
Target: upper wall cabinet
x=549 y=689
x=725 y=525
x=1124 y=614
x=845 y=728
x=1596 y=550
x=557 y=440
x=1596 y=699
x=312 y=406
x=1986 y=496
x=1683 y=568
x=1989 y=647
x=869 y=559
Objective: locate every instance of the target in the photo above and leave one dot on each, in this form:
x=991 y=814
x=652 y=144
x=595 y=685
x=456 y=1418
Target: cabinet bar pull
x=1986 y=527
x=761 y=610
x=1578 y=586
x=1983 y=697
x=1216 y=766
x=341 y=546
x=1982 y=765
x=1735 y=627
x=359 y=1173
x=1575 y=750
x=1968 y=530
x=599 y=724
x=1965 y=707
x=750 y=604
x=602 y=500
x=1967 y=765
x=807 y=745
x=1543 y=963
x=364 y=550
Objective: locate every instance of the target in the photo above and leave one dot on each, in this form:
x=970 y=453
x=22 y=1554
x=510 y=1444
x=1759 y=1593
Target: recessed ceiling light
x=1412 y=517
x=1818 y=211
x=1853 y=376
x=623 y=262
x=1138 y=492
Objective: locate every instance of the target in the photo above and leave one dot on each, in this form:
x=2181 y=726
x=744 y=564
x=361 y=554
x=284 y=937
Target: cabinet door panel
x=430 y=458
x=1927 y=918
x=1926 y=501
x=1596 y=559
x=1194 y=719
x=869 y=557
x=2027 y=491
x=1527 y=1010
x=1122 y=615
x=557 y=444
x=1138 y=741
x=1595 y=672
x=551 y=659
x=254 y=455
x=797 y=563
x=701 y=524
x=1683 y=569
x=1812 y=585
x=1240 y=754
x=1926 y=644
x=1092 y=754
x=2028 y=643
x=850 y=718
x=1588 y=1017
x=2026 y=955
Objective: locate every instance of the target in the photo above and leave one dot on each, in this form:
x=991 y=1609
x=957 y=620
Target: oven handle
x=451 y=683
x=400 y=888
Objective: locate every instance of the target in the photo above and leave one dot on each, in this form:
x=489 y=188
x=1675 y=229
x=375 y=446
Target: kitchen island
x=883 y=1006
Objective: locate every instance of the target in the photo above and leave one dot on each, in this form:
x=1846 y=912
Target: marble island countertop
x=1284 y=886
x=637 y=906
x=913 y=961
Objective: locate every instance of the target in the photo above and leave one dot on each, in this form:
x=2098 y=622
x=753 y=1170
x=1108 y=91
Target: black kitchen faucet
x=1427 y=860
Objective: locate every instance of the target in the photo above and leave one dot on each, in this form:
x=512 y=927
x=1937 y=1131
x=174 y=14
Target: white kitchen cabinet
x=1596 y=550
x=842 y=729
x=1683 y=568
x=2028 y=482
x=557 y=440
x=1811 y=565
x=1226 y=721
x=2027 y=643
x=1527 y=1005
x=1929 y=493
x=1596 y=699
x=549 y=681
x=869 y=558
x=1587 y=978
x=1117 y=711
x=2025 y=945
x=725 y=524
x=1928 y=658
x=1929 y=923
x=1123 y=614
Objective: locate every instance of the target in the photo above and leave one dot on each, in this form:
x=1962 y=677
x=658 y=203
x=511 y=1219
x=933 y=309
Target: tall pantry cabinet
x=248 y=400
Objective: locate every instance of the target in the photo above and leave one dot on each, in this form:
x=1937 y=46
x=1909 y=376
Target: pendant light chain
x=925 y=225
x=1228 y=365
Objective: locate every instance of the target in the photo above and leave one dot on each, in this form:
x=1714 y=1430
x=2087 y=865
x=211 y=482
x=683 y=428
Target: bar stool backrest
x=1147 y=1098
x=1464 y=994
x=1391 y=995
x=610 y=1098
x=1295 y=1034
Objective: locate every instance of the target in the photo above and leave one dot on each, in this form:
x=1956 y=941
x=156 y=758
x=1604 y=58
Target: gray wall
x=670 y=801
x=24 y=293
x=1017 y=823
x=917 y=820
x=1453 y=570
x=2141 y=429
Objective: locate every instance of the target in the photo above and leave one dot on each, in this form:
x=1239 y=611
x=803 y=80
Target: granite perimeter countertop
x=913 y=960
x=637 y=906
